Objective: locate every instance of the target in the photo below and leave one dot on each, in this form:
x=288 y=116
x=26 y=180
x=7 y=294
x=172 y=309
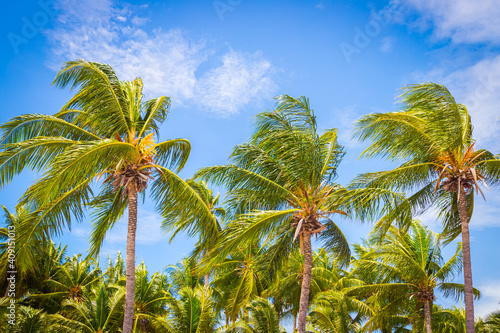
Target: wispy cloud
x=490 y=300
x=463 y=21
x=167 y=61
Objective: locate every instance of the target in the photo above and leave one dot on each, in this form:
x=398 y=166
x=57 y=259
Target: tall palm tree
x=106 y=129
x=281 y=183
x=432 y=136
x=411 y=267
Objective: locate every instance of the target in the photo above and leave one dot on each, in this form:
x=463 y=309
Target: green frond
x=35 y=154
x=173 y=154
x=100 y=94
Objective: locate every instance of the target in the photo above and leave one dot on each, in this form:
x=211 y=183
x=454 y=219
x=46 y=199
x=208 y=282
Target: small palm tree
x=238 y=280
x=453 y=320
x=191 y=311
x=105 y=129
x=286 y=288
x=336 y=311
x=101 y=312
x=73 y=279
x=411 y=267
x=432 y=136
x=492 y=322
x=150 y=298
x=263 y=319
x=281 y=184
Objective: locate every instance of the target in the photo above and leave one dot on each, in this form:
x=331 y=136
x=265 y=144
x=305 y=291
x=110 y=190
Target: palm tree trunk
x=306 y=282
x=469 y=295
x=128 y=317
x=207 y=280
x=427 y=313
x=294 y=324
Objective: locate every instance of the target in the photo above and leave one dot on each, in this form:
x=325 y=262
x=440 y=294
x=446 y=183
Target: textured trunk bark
x=128 y=317
x=427 y=313
x=306 y=283
x=469 y=295
x=207 y=280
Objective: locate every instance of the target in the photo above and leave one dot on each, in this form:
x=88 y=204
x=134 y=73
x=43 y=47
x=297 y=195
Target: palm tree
x=72 y=280
x=238 y=280
x=102 y=312
x=335 y=311
x=263 y=319
x=453 y=320
x=106 y=128
x=335 y=308
x=432 y=136
x=281 y=183
x=411 y=267
x=192 y=311
x=150 y=298
x=286 y=288
x=492 y=322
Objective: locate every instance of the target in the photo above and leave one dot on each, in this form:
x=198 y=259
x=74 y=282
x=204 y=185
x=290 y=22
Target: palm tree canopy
x=105 y=133
x=431 y=134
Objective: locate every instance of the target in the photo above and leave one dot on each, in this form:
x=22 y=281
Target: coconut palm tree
x=453 y=320
x=191 y=311
x=492 y=322
x=335 y=308
x=104 y=134
x=238 y=280
x=72 y=279
x=281 y=184
x=286 y=288
x=431 y=135
x=411 y=267
x=150 y=298
x=102 y=312
x=263 y=318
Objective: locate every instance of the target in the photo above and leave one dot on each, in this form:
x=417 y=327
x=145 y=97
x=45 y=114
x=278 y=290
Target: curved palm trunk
x=469 y=295
x=306 y=283
x=130 y=282
x=427 y=313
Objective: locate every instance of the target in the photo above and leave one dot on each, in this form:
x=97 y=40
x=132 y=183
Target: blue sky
x=223 y=61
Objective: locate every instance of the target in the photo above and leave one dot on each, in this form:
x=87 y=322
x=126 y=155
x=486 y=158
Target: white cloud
x=167 y=61
x=463 y=21
x=239 y=80
x=478 y=88
x=490 y=299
